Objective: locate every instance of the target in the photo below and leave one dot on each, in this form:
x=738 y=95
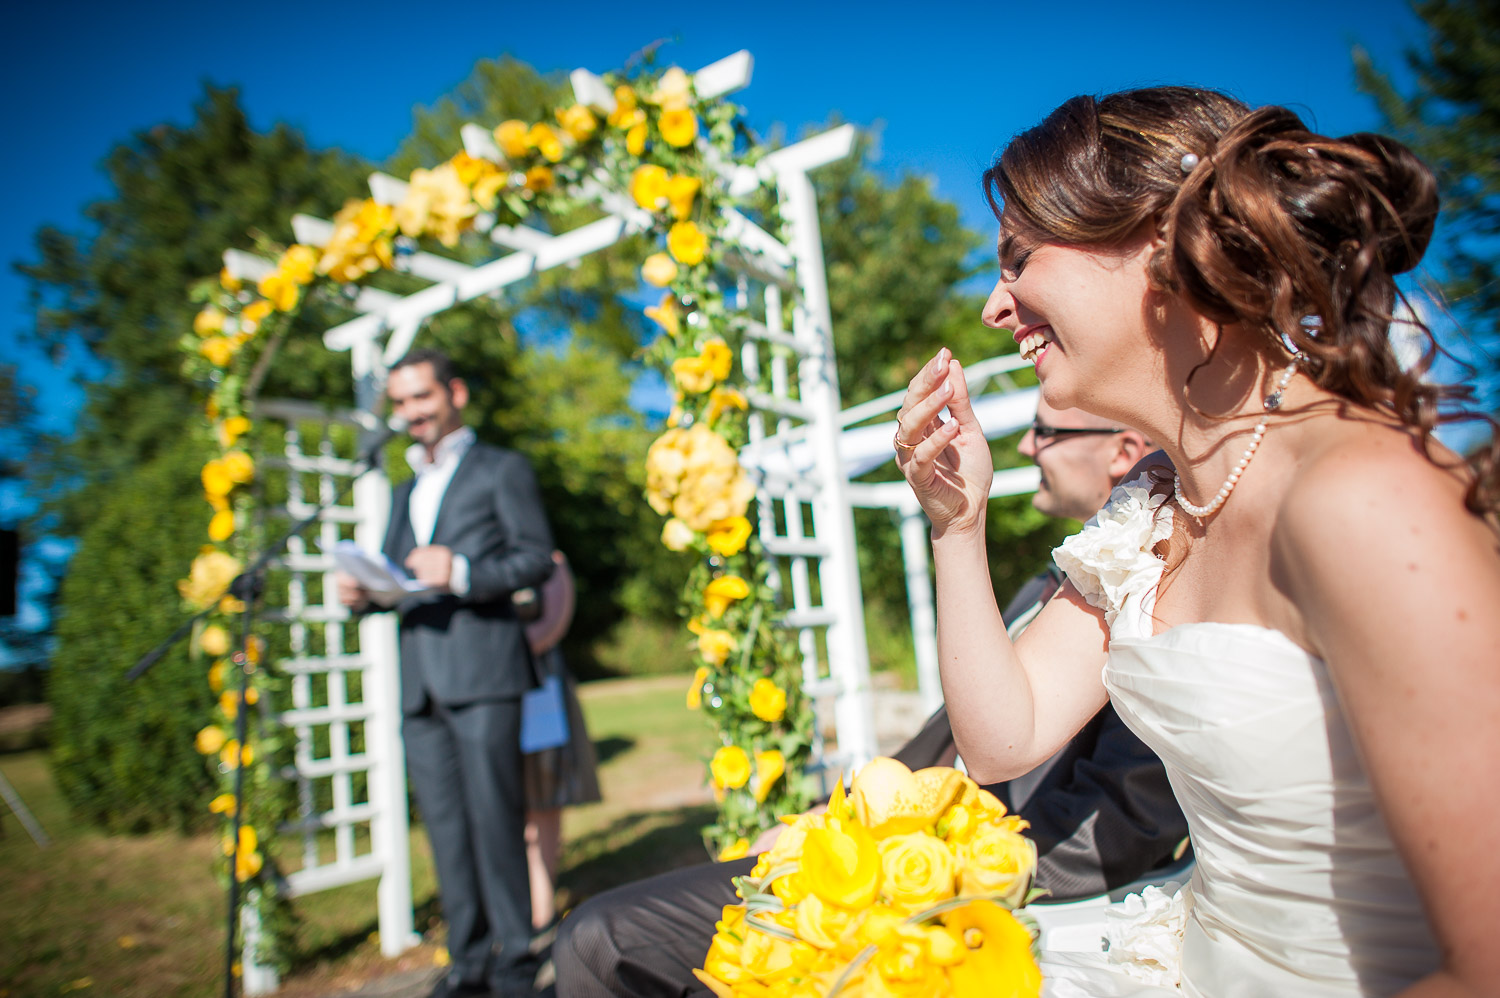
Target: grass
x=143 y=915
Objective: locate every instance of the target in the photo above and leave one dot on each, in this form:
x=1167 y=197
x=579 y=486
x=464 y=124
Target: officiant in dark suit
x=471 y=526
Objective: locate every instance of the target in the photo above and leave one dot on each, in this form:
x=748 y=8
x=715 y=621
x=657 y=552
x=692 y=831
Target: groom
x=1101 y=811
x=470 y=525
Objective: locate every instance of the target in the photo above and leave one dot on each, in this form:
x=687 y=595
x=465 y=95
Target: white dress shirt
x=433 y=476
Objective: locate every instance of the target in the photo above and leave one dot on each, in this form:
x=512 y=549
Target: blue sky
x=947 y=83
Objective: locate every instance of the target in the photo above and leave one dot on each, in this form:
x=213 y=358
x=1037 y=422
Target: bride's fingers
x=916 y=420
x=959 y=402
x=926 y=453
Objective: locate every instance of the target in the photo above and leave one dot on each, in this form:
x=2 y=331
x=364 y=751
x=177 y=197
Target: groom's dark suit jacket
x=458 y=649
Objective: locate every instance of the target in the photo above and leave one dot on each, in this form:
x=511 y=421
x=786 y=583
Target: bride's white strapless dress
x=1298 y=889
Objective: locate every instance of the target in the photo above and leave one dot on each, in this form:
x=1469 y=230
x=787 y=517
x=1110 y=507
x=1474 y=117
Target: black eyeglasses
x=1042 y=431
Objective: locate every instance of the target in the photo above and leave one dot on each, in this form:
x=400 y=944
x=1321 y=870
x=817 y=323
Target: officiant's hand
x=947 y=464
x=351 y=593
x=431 y=565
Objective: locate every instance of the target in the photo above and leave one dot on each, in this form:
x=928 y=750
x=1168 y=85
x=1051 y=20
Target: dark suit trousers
x=644 y=939
x=465 y=766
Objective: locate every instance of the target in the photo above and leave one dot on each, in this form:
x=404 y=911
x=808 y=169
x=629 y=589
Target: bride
x=1299 y=611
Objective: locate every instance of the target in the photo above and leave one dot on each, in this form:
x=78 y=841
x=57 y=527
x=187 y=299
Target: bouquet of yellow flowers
x=904 y=888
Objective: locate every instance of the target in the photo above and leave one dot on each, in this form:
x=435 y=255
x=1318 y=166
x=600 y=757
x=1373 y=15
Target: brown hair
x=1288 y=233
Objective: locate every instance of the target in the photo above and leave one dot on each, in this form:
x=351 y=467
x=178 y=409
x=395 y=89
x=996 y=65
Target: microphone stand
x=247 y=588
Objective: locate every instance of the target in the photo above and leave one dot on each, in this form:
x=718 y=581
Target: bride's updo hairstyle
x=1291 y=235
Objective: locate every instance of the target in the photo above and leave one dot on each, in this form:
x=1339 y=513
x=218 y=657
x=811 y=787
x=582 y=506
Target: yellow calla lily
x=681 y=192
x=841 y=864
x=769 y=767
x=998 y=961
x=721 y=592
x=695 y=688
x=727 y=538
x=738 y=849
x=665 y=314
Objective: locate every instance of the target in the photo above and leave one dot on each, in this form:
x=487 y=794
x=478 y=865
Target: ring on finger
x=902 y=444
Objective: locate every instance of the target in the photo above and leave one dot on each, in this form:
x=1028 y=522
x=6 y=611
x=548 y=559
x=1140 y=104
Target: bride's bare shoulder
x=1373 y=483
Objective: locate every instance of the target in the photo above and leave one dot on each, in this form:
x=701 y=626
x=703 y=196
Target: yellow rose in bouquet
x=907 y=886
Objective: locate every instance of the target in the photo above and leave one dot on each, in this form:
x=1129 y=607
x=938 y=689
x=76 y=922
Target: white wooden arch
x=806 y=521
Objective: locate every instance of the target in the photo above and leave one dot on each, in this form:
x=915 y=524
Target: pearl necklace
x=1271 y=402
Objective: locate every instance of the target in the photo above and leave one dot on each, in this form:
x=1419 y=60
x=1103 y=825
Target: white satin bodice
x=1298 y=888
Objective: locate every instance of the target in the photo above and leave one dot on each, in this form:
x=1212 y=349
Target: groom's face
x=1077 y=468
x=431 y=409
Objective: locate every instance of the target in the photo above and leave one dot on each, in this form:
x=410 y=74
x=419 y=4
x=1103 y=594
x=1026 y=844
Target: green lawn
x=143 y=915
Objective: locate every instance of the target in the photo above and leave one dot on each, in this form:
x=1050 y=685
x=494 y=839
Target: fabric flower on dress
x=1110 y=560
x=1144 y=934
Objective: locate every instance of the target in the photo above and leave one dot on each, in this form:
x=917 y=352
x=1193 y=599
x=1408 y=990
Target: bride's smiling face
x=1079 y=314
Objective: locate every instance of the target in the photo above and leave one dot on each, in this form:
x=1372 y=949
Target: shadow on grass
x=634 y=846
x=607 y=748
x=424 y=913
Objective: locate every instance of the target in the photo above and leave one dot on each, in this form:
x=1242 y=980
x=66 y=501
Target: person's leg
x=543 y=844
x=645 y=938
x=432 y=764
x=488 y=744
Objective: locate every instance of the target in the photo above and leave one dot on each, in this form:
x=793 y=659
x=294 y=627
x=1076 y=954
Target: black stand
x=247 y=588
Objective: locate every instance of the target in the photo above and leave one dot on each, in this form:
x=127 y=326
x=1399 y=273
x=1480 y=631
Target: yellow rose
x=544 y=140
x=510 y=136
x=674 y=90
x=625 y=104
x=635 y=138
x=222 y=804
x=215 y=478
x=998 y=961
x=229 y=703
x=767 y=700
x=841 y=864
x=578 y=121
x=917 y=870
x=300 y=263
x=718 y=357
x=821 y=924
x=768 y=958
x=958 y=824
x=727 y=537
x=218 y=350
x=687 y=243
x=648 y=185
x=214 y=641
x=903 y=968
x=208 y=321
x=769 y=767
x=231 y=756
x=216 y=676
x=540 y=179
x=208 y=578
x=678 y=128
x=361 y=240
x=719 y=593
x=221 y=527
x=665 y=314
x=255 y=313
x=723 y=959
x=209 y=740
x=695 y=689
x=738 y=849
x=722 y=400
x=676 y=535
x=279 y=290
x=232 y=429
x=730 y=767
x=659 y=270
x=715 y=645
x=692 y=375
x=681 y=192
x=247 y=864
x=996 y=861
x=239 y=466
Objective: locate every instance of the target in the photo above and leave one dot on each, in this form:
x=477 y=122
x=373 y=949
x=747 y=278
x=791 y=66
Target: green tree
x=127 y=484
x=1451 y=118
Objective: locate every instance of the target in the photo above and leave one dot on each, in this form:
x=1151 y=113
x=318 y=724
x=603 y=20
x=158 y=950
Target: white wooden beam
x=591 y=91
x=729 y=74
x=827 y=147
x=247 y=266
x=479 y=142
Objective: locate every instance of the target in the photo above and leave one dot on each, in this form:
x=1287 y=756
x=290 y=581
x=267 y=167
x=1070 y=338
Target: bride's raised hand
x=948 y=464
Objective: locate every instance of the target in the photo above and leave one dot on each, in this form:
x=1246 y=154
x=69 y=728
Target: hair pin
x=1189 y=160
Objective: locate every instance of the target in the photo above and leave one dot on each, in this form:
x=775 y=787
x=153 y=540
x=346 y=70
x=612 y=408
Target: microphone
x=388 y=430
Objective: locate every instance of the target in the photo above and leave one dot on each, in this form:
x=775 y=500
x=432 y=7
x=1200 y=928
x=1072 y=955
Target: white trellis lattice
x=806 y=522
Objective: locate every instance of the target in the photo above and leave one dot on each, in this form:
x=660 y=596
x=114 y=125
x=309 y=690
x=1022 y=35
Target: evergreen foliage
x=1451 y=118
x=123 y=753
